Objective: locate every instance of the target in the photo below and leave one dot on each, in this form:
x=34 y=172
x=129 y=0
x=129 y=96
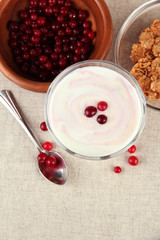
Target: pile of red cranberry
x=90 y=111
x=50 y=35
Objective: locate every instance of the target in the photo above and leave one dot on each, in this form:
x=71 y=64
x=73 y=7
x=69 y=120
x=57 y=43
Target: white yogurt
x=85 y=87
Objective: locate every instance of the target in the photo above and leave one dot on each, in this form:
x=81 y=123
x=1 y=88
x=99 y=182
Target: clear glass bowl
x=108 y=65
x=140 y=18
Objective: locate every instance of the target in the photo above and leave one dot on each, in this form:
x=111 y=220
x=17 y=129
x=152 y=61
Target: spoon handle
x=9 y=102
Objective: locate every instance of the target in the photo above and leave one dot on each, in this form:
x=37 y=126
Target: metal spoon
x=58 y=174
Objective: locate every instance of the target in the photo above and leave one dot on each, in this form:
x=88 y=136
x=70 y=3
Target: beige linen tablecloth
x=95 y=203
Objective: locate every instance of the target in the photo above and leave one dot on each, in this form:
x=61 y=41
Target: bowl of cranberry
x=40 y=38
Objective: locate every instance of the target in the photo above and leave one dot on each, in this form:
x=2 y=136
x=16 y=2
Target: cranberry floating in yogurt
x=88 y=86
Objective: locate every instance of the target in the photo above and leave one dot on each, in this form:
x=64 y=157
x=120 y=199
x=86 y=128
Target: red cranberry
x=48 y=50
x=25 y=38
x=132 y=149
x=41 y=21
x=42 y=157
x=32 y=10
x=33 y=52
x=37 y=32
x=86 y=31
x=43 y=126
x=73 y=24
x=48 y=11
x=64 y=11
x=28 y=22
x=64 y=24
x=84 y=56
x=13 y=35
x=68 y=3
x=25 y=67
x=39 y=51
x=61 y=2
x=34 y=69
x=83 y=14
x=52 y=2
x=51 y=34
x=69 y=56
x=65 y=39
x=42 y=3
x=34 y=3
x=39 y=11
x=73 y=46
x=61 y=33
x=51 y=161
x=101 y=119
x=85 y=39
x=19 y=60
x=35 y=39
x=90 y=111
x=22 y=27
x=55 y=26
x=55 y=72
x=13 y=26
x=37 y=45
x=56 y=10
x=117 y=169
x=83 y=50
x=102 y=106
x=133 y=160
x=76 y=31
x=25 y=55
x=91 y=34
x=60 y=18
x=62 y=55
x=73 y=38
x=43 y=75
x=43 y=40
x=17 y=51
x=58 y=49
x=68 y=31
x=87 y=24
x=79 y=44
x=65 y=48
x=78 y=51
x=54 y=56
x=62 y=62
x=73 y=14
x=13 y=43
x=48 y=65
x=43 y=59
x=76 y=58
x=34 y=24
x=23 y=14
x=47 y=146
x=29 y=31
x=30 y=44
x=42 y=67
x=44 y=30
x=58 y=41
x=33 y=16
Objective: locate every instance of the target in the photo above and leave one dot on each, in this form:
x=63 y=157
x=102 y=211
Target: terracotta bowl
x=101 y=20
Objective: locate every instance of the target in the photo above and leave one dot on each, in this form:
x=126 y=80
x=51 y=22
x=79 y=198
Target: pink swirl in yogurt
x=87 y=86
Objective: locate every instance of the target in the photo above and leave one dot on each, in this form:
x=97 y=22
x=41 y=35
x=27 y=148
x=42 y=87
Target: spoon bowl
x=57 y=174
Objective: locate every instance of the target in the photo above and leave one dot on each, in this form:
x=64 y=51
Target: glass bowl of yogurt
x=86 y=85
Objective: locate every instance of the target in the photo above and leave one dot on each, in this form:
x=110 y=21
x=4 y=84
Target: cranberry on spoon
x=57 y=174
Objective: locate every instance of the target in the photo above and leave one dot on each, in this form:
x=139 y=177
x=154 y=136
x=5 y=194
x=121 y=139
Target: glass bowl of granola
x=137 y=49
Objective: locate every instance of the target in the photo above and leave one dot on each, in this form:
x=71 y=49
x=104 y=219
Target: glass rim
x=75 y=66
